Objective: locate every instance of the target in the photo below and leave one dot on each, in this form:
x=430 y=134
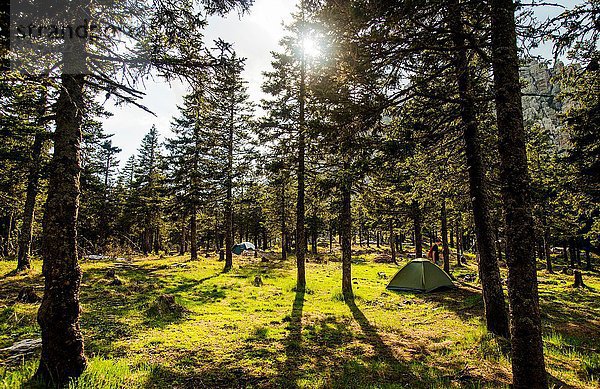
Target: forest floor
x=231 y=333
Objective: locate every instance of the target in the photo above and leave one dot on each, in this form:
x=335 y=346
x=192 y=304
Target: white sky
x=254 y=36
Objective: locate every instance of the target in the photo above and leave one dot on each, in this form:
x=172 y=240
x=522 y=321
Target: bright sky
x=254 y=36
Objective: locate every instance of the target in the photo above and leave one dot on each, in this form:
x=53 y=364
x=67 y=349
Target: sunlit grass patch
x=233 y=333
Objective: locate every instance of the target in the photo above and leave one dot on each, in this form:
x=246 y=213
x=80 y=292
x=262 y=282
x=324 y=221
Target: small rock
x=16 y=352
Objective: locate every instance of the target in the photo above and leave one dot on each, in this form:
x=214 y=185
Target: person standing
x=434 y=251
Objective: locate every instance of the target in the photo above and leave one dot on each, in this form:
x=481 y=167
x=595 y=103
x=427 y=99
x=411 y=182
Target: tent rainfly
x=241 y=247
x=420 y=275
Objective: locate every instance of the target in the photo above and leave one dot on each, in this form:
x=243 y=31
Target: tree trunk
x=193 y=236
x=62 y=355
x=330 y=240
x=392 y=242
x=25 y=237
x=346 y=234
x=458 y=255
x=265 y=241
x=300 y=211
x=283 y=227
x=446 y=249
x=578 y=279
x=528 y=366
x=573 y=255
x=229 y=194
x=145 y=241
x=360 y=235
x=314 y=235
x=156 y=239
x=588 y=257
x=565 y=253
x=493 y=296
x=9 y=227
x=578 y=251
x=416 y=214
x=182 y=238
x=498 y=244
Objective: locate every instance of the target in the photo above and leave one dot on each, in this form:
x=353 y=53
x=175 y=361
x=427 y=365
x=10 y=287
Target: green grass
x=233 y=334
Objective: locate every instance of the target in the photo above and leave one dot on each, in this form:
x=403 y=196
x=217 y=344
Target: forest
x=275 y=242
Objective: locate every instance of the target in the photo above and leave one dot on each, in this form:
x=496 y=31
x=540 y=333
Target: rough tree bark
x=528 y=366
x=495 y=308
x=346 y=234
x=62 y=355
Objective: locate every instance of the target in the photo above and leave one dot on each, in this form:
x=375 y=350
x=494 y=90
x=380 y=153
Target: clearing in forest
x=223 y=331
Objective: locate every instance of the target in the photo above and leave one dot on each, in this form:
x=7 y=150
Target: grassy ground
x=235 y=334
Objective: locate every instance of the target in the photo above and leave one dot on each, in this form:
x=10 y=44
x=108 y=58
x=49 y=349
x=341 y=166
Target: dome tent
x=420 y=275
x=241 y=247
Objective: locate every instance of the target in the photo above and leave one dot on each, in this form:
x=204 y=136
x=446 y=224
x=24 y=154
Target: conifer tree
x=228 y=123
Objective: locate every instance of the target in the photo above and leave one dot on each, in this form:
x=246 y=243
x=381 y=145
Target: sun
x=310 y=47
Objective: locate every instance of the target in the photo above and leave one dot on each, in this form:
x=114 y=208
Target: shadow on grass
x=214 y=377
x=189 y=285
x=573 y=313
x=270 y=268
x=397 y=370
x=464 y=301
x=9 y=288
x=293 y=344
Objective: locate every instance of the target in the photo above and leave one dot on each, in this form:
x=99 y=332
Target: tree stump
x=27 y=295
x=257 y=281
x=578 y=279
x=166 y=306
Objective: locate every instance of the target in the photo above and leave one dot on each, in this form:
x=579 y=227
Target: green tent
x=420 y=275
